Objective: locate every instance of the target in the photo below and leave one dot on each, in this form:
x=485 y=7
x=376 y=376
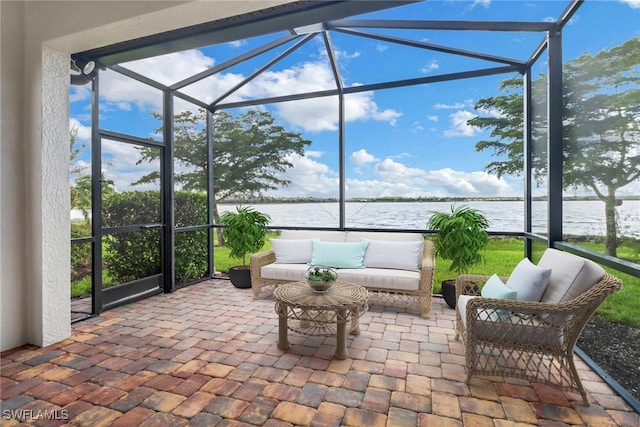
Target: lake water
x=580 y=217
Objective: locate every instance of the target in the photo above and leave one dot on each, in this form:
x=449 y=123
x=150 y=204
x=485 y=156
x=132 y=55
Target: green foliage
x=136 y=254
x=191 y=247
x=601 y=127
x=80 y=252
x=245 y=231
x=460 y=236
x=250 y=152
x=319 y=274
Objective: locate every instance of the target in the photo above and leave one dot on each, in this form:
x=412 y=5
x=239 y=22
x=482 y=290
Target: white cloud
x=362 y=157
x=433 y=118
x=83 y=132
x=458 y=183
x=122 y=92
x=79 y=93
x=120 y=166
x=433 y=65
x=313 y=115
x=457 y=105
x=311 y=178
x=381 y=47
x=238 y=43
x=634 y=4
x=483 y=3
x=459 y=126
x=417 y=127
x=173 y=67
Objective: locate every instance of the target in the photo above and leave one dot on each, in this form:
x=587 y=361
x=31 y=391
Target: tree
x=249 y=152
x=81 y=182
x=75 y=173
x=601 y=127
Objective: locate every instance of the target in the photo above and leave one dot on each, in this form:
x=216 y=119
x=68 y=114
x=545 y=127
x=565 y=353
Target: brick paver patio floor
x=207 y=355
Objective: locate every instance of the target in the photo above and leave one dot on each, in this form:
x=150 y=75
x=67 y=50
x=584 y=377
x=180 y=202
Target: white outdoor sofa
x=398 y=268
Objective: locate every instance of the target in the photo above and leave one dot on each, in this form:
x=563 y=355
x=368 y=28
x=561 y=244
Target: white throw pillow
x=529 y=280
x=393 y=255
x=292 y=251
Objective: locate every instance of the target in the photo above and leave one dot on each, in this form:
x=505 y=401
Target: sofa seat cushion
x=381 y=278
x=284 y=272
x=370 y=278
x=496 y=327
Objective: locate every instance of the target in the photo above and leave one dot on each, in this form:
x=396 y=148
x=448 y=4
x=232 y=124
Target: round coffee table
x=328 y=313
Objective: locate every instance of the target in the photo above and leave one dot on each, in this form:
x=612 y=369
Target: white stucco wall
x=13 y=296
x=36 y=41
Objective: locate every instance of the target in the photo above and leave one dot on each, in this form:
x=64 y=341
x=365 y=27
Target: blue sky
x=411 y=141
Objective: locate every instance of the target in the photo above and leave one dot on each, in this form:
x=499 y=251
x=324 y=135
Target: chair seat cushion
x=494 y=326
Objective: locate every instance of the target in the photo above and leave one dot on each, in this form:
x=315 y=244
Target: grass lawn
x=501 y=257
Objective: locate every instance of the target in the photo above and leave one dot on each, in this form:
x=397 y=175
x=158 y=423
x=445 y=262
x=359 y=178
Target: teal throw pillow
x=494 y=288
x=338 y=254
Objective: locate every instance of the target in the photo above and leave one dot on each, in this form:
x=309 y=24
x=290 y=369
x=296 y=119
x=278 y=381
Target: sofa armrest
x=427 y=274
x=427 y=267
x=256 y=262
x=259 y=260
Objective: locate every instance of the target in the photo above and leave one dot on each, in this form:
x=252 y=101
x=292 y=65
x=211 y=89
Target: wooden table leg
x=341 y=327
x=283 y=339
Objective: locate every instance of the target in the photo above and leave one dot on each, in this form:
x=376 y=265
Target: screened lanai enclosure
x=355 y=115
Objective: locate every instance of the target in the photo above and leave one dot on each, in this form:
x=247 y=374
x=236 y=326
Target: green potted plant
x=244 y=233
x=320 y=279
x=460 y=236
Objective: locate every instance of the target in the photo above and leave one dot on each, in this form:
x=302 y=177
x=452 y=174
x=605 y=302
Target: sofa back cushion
x=356 y=236
x=571 y=275
x=338 y=254
x=292 y=251
x=394 y=255
x=325 y=235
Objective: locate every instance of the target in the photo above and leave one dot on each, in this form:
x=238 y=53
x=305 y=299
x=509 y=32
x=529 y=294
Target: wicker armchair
x=525 y=339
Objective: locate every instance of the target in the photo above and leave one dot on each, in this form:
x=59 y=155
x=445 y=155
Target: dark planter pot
x=449 y=291
x=240 y=277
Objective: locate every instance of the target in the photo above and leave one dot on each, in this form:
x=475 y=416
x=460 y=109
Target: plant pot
x=240 y=276
x=449 y=292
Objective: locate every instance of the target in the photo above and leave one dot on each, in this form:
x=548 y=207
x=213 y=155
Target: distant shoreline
x=408 y=200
